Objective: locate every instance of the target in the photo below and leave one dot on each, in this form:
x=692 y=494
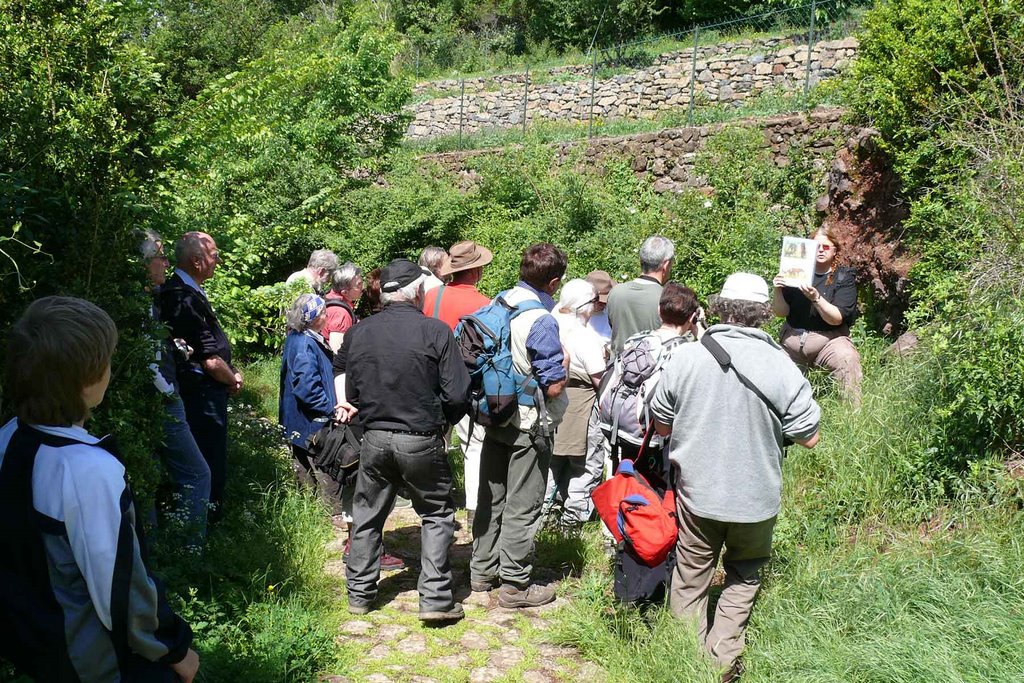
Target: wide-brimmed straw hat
x=465 y=256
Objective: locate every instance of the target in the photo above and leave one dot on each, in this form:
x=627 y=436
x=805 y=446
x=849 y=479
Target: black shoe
x=453 y=614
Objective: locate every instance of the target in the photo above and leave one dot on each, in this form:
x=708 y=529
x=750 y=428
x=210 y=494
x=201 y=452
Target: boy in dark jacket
x=76 y=600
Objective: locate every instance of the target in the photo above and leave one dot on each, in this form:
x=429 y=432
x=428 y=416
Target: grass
x=257 y=599
x=768 y=103
x=871 y=578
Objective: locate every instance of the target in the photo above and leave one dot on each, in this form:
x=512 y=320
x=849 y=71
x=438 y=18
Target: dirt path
x=490 y=644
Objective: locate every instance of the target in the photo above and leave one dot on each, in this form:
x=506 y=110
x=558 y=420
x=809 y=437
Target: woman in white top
x=587 y=363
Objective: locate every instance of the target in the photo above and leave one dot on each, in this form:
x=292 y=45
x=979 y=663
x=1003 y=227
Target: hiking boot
x=453 y=614
x=734 y=672
x=484 y=585
x=388 y=563
x=358 y=608
x=533 y=595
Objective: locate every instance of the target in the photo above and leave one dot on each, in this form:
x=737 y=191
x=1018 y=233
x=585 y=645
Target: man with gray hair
x=406 y=384
x=207 y=378
x=729 y=402
x=633 y=306
x=322 y=263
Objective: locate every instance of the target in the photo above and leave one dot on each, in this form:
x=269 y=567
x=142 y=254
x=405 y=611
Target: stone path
x=391 y=645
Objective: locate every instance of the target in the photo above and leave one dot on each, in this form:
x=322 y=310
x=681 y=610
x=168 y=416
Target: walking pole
x=810 y=43
x=693 y=77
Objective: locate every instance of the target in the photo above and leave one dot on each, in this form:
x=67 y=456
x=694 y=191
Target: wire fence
x=776 y=55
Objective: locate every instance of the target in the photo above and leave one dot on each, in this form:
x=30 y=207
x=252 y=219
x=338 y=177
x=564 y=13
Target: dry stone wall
x=668 y=157
x=729 y=73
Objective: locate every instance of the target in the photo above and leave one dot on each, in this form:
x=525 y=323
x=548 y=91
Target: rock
x=763 y=69
x=356 y=628
x=640 y=162
x=377 y=678
x=658 y=167
x=778 y=69
x=379 y=651
x=413 y=645
x=535 y=677
x=485 y=674
x=474 y=641
x=664 y=184
x=705 y=76
x=905 y=345
x=506 y=657
x=452 y=661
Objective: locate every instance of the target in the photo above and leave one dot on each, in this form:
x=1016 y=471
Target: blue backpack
x=485 y=340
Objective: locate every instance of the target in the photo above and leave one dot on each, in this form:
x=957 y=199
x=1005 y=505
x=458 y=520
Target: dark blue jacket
x=307 y=386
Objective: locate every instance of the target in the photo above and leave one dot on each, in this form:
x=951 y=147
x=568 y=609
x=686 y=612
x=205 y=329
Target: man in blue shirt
x=515 y=457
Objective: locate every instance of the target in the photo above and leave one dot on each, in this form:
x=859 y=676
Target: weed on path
x=390 y=644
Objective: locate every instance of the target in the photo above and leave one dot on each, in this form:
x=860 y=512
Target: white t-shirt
x=585 y=347
x=599 y=323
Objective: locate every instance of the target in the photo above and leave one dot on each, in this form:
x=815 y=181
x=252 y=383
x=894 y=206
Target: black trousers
x=206 y=409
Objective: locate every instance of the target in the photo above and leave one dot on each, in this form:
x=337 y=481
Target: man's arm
x=215 y=367
x=453 y=379
x=547 y=357
x=809 y=442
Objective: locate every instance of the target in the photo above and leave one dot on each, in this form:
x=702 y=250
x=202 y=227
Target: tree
x=78 y=106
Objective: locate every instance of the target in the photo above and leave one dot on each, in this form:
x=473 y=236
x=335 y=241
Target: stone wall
x=668 y=156
x=728 y=73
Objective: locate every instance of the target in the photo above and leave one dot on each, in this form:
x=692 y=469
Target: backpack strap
x=725 y=360
x=437 y=301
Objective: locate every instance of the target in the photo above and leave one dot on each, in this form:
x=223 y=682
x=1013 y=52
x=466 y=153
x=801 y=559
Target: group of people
x=72 y=547
x=400 y=375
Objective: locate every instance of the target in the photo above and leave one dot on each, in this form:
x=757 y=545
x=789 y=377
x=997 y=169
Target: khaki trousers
x=700 y=542
x=833 y=350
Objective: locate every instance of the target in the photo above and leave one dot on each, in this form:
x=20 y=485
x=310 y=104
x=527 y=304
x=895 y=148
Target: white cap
x=575 y=294
x=745 y=287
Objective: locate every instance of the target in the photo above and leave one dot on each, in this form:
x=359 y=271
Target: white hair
x=410 y=293
x=654 y=251
x=149 y=241
x=345 y=276
x=323 y=258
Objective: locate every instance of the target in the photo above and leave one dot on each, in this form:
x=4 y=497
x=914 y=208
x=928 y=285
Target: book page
x=797 y=261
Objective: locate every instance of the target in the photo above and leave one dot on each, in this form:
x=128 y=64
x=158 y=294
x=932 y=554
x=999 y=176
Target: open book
x=797 y=262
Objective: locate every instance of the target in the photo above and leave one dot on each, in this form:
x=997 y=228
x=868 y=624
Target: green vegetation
x=767 y=103
x=898 y=554
x=452 y=36
x=257 y=599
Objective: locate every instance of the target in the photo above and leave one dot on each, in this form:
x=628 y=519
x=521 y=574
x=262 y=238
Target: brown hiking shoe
x=484 y=585
x=533 y=595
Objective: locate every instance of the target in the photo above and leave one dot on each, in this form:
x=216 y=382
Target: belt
x=436 y=432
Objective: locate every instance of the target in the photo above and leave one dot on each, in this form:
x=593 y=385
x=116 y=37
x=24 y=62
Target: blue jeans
x=206 y=408
x=387 y=459
x=188 y=470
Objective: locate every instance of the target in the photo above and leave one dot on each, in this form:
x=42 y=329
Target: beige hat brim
x=482 y=258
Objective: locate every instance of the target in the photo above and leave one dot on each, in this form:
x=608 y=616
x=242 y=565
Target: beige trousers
x=700 y=542
x=833 y=350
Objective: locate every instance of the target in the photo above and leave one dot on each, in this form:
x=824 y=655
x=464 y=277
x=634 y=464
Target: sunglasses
x=825 y=247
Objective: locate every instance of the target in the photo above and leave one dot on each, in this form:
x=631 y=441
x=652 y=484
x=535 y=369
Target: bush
x=78 y=110
x=266 y=154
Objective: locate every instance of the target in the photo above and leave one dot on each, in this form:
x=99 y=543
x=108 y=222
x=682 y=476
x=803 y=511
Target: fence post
x=693 y=76
x=593 y=92
x=526 y=97
x=810 y=44
x=462 y=110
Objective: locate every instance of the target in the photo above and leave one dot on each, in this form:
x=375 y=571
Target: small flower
x=707 y=203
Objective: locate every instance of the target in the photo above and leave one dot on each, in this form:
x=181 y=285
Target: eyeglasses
x=158 y=257
x=595 y=300
x=825 y=247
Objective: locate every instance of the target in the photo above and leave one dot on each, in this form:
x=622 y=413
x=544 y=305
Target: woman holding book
x=818 y=316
